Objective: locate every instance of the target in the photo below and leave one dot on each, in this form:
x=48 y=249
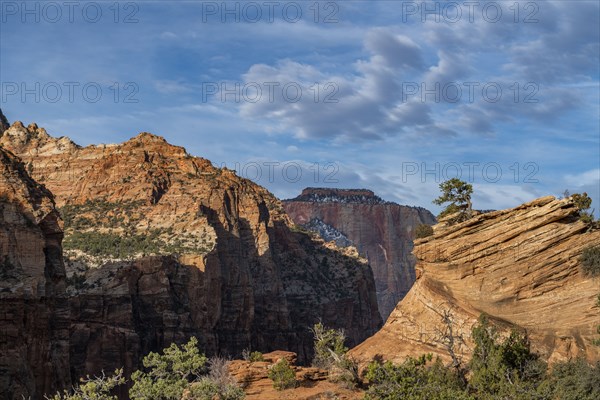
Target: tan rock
x=312 y=382
x=520 y=266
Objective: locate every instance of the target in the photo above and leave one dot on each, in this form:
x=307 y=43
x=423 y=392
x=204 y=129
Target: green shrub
x=282 y=375
x=575 y=380
x=208 y=389
x=256 y=356
x=97 y=388
x=423 y=231
x=590 y=260
x=583 y=202
x=168 y=374
x=414 y=380
x=204 y=389
x=500 y=369
x=330 y=354
x=329 y=346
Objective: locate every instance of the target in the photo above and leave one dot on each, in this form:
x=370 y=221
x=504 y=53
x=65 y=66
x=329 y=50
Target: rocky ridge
x=161 y=246
x=382 y=231
x=520 y=266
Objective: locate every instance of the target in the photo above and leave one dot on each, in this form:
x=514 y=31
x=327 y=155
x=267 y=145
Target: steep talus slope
x=520 y=266
x=161 y=245
x=34 y=311
x=383 y=231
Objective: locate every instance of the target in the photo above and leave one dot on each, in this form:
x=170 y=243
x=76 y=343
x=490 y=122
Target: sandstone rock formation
x=382 y=231
x=161 y=245
x=312 y=382
x=34 y=310
x=4 y=125
x=520 y=266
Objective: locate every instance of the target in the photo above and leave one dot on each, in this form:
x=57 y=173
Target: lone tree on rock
x=458 y=194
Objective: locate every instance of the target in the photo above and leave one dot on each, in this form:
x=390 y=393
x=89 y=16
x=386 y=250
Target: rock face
x=4 y=125
x=312 y=383
x=520 y=266
x=382 y=231
x=34 y=310
x=161 y=246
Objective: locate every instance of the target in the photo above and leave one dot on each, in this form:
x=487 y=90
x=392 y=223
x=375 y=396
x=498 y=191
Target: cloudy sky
x=394 y=96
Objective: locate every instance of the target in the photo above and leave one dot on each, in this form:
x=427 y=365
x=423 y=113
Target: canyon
x=160 y=246
x=382 y=231
x=108 y=252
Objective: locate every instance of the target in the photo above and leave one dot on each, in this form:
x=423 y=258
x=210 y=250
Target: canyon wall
x=34 y=309
x=160 y=245
x=382 y=231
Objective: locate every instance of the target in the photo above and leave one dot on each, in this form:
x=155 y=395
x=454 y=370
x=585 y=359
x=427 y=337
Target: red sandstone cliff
x=34 y=311
x=382 y=231
x=161 y=245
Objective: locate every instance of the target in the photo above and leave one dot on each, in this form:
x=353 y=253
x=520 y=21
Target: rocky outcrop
x=4 y=125
x=520 y=266
x=34 y=311
x=312 y=383
x=382 y=231
x=161 y=245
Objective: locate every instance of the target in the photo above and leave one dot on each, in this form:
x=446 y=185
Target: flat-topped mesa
x=332 y=195
x=521 y=267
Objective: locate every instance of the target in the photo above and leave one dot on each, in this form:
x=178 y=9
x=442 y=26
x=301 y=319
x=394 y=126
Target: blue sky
x=394 y=96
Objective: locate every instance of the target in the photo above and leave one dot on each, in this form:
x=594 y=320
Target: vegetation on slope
x=105 y=229
x=500 y=369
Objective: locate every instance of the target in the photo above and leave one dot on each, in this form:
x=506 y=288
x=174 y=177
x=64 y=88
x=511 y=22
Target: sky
x=392 y=96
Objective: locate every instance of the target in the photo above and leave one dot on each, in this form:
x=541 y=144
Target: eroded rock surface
x=382 y=231
x=520 y=266
x=161 y=245
x=34 y=310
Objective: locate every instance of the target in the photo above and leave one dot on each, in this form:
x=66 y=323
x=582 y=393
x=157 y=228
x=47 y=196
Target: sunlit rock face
x=520 y=266
x=382 y=231
x=160 y=246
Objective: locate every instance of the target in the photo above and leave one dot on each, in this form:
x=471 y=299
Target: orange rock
x=243 y=279
x=520 y=266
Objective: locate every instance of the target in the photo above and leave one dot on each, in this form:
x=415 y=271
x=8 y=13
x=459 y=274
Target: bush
x=256 y=356
x=423 y=231
x=329 y=346
x=207 y=389
x=204 y=389
x=590 y=260
x=345 y=372
x=97 y=388
x=414 y=380
x=583 y=202
x=282 y=375
x=330 y=354
x=575 y=380
x=503 y=369
x=169 y=374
